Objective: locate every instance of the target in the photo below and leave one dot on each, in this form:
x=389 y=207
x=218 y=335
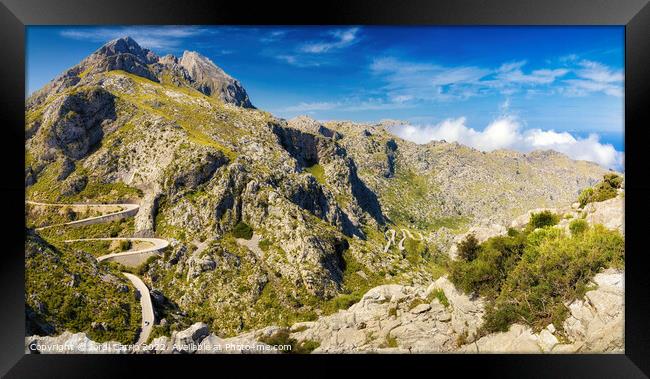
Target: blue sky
x=488 y=87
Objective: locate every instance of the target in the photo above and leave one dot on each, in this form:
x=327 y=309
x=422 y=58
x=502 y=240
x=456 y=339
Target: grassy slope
x=70 y=291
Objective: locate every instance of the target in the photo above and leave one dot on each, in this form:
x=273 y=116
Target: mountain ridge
x=126 y=54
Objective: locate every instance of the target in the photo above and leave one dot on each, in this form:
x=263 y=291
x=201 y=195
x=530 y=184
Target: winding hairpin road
x=400 y=244
x=127 y=258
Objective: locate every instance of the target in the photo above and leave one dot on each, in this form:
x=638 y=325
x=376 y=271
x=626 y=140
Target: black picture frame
x=634 y=14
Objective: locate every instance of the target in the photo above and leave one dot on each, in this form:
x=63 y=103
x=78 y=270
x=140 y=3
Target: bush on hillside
x=527 y=278
x=468 y=248
x=543 y=219
x=125 y=245
x=605 y=190
x=242 y=230
x=578 y=226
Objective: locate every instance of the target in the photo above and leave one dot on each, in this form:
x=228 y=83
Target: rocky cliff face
x=213 y=81
x=181 y=138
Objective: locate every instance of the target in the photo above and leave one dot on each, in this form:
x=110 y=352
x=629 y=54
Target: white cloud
x=273 y=36
x=506 y=133
x=423 y=81
x=598 y=72
x=347 y=105
x=300 y=60
x=340 y=38
x=512 y=73
x=151 y=37
x=427 y=81
x=314 y=106
x=595 y=77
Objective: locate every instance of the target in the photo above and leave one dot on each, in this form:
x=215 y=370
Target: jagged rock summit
x=193 y=70
x=126 y=45
x=213 y=81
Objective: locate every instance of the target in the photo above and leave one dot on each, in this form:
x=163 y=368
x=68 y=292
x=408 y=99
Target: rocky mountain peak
x=200 y=66
x=126 y=45
x=213 y=81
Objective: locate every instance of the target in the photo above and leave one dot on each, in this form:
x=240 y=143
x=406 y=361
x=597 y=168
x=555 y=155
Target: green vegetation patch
x=542 y=220
x=48 y=189
x=354 y=285
x=282 y=337
x=578 y=226
x=37 y=216
x=468 y=248
x=605 y=190
x=69 y=290
x=118 y=228
x=242 y=230
x=440 y=295
x=528 y=276
x=265 y=244
x=317 y=171
x=390 y=342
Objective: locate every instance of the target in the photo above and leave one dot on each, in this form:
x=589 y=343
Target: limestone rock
x=609 y=213
x=188 y=340
x=213 y=81
x=518 y=339
x=596 y=323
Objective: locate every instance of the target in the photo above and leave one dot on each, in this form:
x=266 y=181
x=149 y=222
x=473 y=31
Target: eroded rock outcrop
x=213 y=81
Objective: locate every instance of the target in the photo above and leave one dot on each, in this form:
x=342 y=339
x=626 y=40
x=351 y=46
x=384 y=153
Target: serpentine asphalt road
x=400 y=244
x=157 y=244
x=127 y=210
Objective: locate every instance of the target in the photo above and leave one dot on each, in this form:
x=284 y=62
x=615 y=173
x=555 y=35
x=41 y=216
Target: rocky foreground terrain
x=416 y=319
x=181 y=138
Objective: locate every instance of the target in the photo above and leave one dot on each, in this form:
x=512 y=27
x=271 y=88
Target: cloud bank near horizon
x=506 y=132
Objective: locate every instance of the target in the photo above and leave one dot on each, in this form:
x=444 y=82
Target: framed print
x=430 y=183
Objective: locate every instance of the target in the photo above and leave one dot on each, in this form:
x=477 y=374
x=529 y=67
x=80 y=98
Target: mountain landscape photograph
x=324 y=189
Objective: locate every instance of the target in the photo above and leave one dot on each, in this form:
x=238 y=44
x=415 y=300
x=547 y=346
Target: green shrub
x=318 y=172
x=613 y=180
x=242 y=230
x=440 y=295
x=305 y=347
x=144 y=267
x=345 y=301
x=468 y=248
x=543 y=219
x=125 y=245
x=578 y=226
x=264 y=244
x=528 y=278
x=390 y=341
x=415 y=250
x=415 y=302
x=283 y=337
x=605 y=190
x=512 y=232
